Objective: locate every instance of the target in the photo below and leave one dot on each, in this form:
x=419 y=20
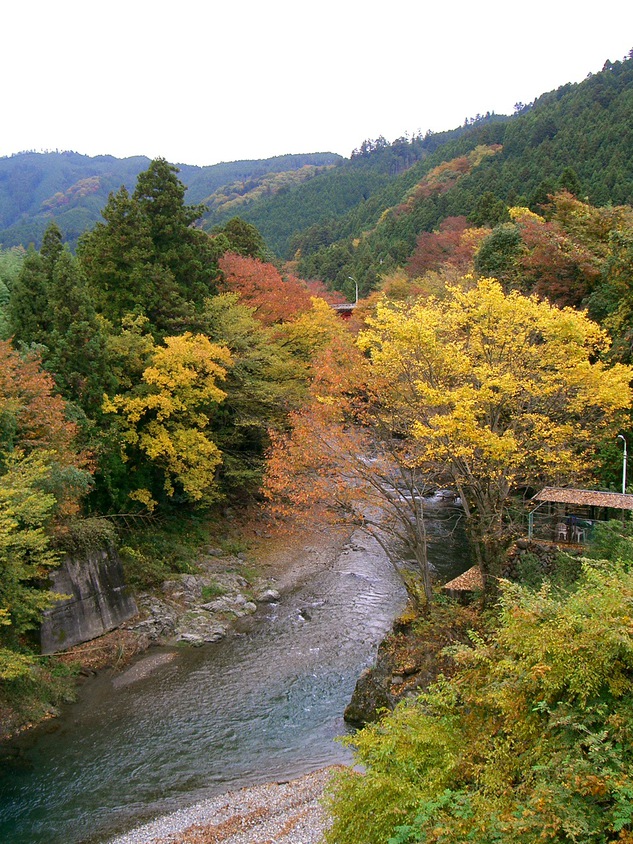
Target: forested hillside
x=72 y=189
x=375 y=176
x=578 y=137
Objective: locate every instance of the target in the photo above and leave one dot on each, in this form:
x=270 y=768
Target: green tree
x=146 y=258
x=11 y=261
x=28 y=308
x=117 y=256
x=614 y=299
x=77 y=348
x=569 y=181
x=265 y=380
x=244 y=239
x=489 y=211
x=52 y=247
x=188 y=253
x=499 y=254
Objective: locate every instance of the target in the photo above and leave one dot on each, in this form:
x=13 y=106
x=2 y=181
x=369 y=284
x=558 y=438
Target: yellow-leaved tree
x=165 y=420
x=495 y=393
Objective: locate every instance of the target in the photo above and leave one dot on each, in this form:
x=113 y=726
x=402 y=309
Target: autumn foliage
x=261 y=287
x=454 y=244
x=553 y=264
x=33 y=420
x=530 y=740
x=165 y=421
x=43 y=476
x=481 y=391
x=501 y=391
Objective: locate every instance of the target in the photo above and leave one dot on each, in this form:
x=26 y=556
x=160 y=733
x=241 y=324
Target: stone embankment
x=543 y=558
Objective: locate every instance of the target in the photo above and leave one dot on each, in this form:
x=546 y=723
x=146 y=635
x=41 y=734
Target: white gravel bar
x=275 y=813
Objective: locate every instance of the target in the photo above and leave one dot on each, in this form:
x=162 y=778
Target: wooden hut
x=570 y=514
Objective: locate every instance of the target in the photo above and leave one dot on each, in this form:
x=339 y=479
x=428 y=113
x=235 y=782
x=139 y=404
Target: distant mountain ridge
x=360 y=216
x=579 y=137
x=72 y=188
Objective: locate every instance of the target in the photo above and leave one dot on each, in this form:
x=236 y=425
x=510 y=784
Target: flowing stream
x=264 y=704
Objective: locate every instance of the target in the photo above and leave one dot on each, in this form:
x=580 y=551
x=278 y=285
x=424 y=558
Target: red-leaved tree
x=261 y=287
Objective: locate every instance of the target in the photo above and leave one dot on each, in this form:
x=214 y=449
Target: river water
x=265 y=704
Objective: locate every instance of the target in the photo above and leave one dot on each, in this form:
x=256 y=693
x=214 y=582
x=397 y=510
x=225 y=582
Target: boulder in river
x=269 y=596
x=370 y=696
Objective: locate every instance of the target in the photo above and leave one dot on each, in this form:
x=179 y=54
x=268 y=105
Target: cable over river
x=264 y=704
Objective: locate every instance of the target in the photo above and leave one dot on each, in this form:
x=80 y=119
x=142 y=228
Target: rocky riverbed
x=189 y=609
x=199 y=608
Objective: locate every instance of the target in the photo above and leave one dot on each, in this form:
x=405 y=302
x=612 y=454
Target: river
x=264 y=704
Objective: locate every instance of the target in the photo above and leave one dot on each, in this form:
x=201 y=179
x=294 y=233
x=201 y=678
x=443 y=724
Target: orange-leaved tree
x=33 y=419
x=342 y=462
x=261 y=287
x=453 y=244
x=43 y=476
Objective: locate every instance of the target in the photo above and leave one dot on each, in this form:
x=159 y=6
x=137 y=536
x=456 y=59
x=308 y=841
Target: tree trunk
x=489 y=551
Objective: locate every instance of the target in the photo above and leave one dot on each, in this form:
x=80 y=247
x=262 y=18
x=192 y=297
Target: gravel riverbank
x=275 y=813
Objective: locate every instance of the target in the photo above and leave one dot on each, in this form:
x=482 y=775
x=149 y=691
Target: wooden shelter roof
x=585 y=497
x=469 y=581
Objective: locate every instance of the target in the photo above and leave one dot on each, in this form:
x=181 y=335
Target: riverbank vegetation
x=139 y=386
x=530 y=736
x=483 y=392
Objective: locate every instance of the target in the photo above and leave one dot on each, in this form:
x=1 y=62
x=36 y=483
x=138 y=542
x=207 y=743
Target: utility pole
x=356 y=283
x=621 y=437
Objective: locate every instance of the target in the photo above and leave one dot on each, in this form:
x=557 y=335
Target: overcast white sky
x=202 y=82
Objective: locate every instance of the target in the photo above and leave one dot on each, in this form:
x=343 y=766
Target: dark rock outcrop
x=371 y=694
x=410 y=658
